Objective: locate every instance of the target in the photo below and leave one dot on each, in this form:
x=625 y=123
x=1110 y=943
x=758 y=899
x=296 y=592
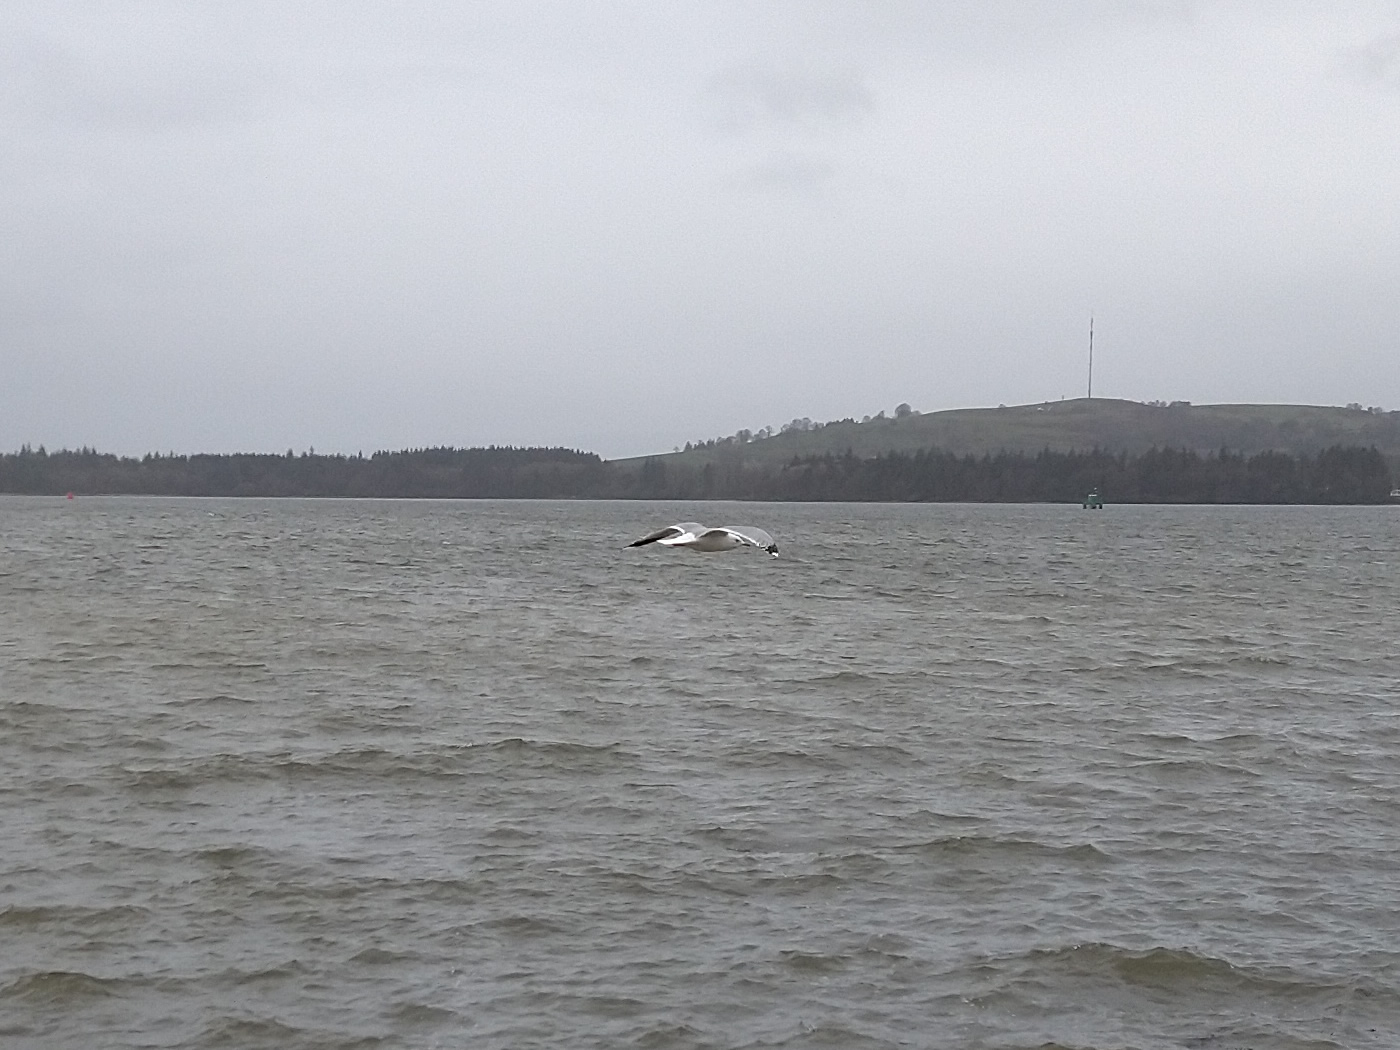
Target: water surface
x=416 y=774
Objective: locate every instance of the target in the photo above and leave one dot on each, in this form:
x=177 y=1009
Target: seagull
x=699 y=538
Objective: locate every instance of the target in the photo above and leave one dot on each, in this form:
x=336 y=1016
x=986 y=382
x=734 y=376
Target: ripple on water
x=314 y=774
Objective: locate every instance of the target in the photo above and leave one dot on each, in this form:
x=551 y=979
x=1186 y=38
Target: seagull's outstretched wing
x=670 y=532
x=694 y=536
x=753 y=537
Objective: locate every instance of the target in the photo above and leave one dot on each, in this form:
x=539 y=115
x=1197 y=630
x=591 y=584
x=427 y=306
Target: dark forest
x=1337 y=475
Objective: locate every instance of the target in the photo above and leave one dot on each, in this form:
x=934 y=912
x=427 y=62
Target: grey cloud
x=194 y=66
x=755 y=98
x=302 y=222
x=1376 y=63
x=120 y=83
x=786 y=173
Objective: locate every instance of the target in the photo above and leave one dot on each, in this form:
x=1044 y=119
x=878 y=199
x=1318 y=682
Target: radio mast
x=1091 y=355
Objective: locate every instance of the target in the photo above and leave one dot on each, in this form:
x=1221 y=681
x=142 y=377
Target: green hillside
x=1056 y=452
x=1081 y=424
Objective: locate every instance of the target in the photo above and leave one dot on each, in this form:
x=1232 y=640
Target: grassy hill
x=1081 y=424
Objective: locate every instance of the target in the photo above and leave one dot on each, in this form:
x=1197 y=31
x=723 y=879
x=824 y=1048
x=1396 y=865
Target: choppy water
x=388 y=774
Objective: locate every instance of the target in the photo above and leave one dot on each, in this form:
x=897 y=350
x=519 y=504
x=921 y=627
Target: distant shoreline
x=1335 y=475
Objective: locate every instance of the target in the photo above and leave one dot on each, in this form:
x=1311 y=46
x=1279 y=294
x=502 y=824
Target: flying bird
x=699 y=538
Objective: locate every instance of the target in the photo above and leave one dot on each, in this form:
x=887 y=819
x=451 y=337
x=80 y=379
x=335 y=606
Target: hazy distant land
x=1049 y=452
x=1081 y=424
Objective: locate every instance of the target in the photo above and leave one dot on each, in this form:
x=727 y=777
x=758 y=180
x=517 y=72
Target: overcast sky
x=621 y=226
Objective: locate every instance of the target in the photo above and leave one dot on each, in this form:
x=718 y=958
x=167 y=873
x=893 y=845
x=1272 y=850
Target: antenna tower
x=1091 y=355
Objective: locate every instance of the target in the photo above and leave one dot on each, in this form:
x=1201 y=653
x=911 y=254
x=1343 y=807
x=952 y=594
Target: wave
x=1185 y=739
x=279 y=972
x=1178 y=769
x=242 y=1033
x=669 y=1036
x=231 y=857
x=1164 y=968
x=1006 y=849
x=813 y=963
x=422 y=1015
x=17 y=917
x=361 y=762
x=61 y=987
x=214 y=700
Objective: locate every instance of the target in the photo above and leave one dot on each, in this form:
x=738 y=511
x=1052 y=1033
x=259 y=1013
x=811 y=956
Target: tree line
x=1337 y=475
x=428 y=473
